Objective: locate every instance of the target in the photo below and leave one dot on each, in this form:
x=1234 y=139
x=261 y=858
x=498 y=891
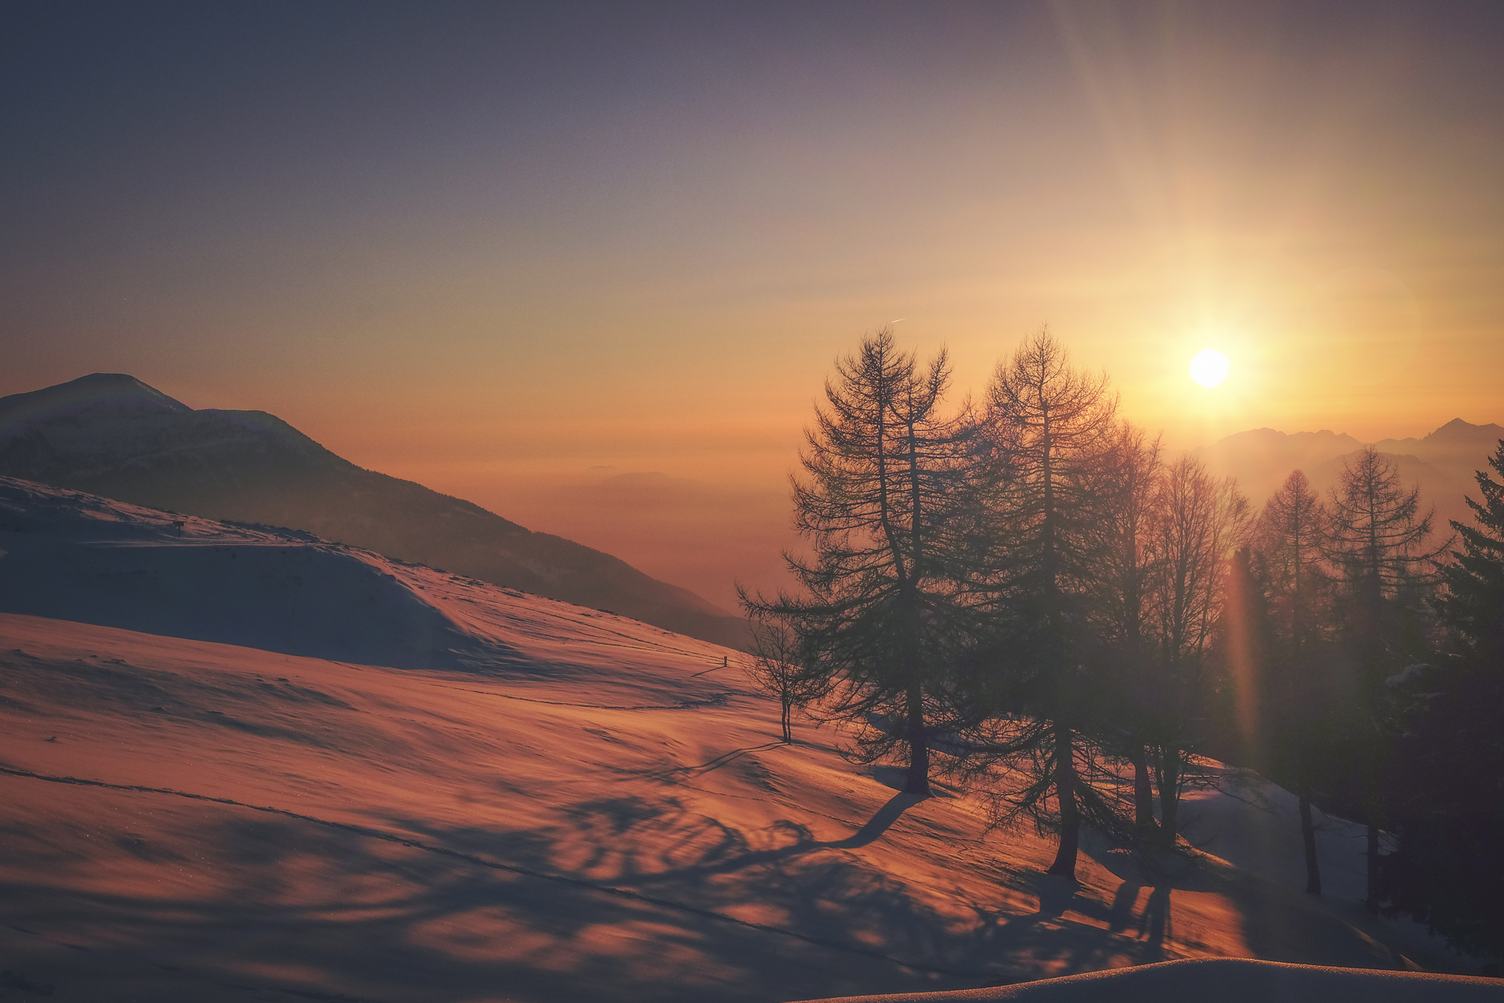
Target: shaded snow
x=559 y=804
x=1226 y=981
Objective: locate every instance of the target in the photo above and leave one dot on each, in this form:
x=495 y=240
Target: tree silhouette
x=778 y=668
x=884 y=478
x=1130 y=489
x=1033 y=700
x=1198 y=522
x=1474 y=580
x=1377 y=541
x=1292 y=535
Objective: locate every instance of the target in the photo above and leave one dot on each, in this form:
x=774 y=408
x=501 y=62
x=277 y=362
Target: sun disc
x=1209 y=367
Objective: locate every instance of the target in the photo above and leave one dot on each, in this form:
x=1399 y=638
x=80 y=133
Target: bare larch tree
x=1379 y=543
x=778 y=668
x=1292 y=534
x=1199 y=520
x=1130 y=489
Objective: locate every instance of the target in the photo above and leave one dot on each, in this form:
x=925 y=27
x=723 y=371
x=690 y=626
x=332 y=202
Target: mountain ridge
x=114 y=435
x=1441 y=462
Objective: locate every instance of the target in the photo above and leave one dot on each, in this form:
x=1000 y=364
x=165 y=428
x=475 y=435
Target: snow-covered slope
x=564 y=804
x=75 y=556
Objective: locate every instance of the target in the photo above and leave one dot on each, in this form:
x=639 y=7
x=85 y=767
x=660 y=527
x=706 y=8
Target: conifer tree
x=1292 y=533
x=884 y=473
x=1032 y=699
x=1378 y=543
x=1131 y=486
x=1473 y=604
x=1451 y=757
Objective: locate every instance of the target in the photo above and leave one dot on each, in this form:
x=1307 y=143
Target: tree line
x=1025 y=594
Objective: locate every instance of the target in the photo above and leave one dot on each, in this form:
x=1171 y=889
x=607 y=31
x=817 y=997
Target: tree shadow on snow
x=626 y=898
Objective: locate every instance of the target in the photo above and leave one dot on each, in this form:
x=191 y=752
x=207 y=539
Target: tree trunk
x=918 y=781
x=783 y=720
x=1169 y=796
x=1371 y=903
x=1143 y=791
x=1308 y=837
x=1065 y=793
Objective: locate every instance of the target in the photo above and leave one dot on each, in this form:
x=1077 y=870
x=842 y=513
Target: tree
x=1473 y=604
x=1292 y=533
x=1451 y=818
x=1131 y=486
x=778 y=668
x=884 y=471
x=1378 y=543
x=1199 y=521
x=1032 y=699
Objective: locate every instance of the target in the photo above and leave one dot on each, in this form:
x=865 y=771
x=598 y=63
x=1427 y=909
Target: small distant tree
x=777 y=668
x=1378 y=541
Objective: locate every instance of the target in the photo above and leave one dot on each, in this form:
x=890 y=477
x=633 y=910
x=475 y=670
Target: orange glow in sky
x=629 y=250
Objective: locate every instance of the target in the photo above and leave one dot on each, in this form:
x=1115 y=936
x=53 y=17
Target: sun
x=1209 y=367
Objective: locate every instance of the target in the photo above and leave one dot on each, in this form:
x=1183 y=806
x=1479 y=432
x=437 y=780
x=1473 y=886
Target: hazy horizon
x=702 y=535
x=504 y=251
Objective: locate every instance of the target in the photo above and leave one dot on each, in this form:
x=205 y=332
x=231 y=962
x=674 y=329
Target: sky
x=589 y=264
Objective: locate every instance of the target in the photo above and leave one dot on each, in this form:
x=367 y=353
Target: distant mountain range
x=113 y=435
x=1442 y=463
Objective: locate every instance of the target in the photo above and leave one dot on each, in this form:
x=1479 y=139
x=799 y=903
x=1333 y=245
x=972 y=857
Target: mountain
x=248 y=764
x=1262 y=458
x=1457 y=440
x=1442 y=463
x=113 y=435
